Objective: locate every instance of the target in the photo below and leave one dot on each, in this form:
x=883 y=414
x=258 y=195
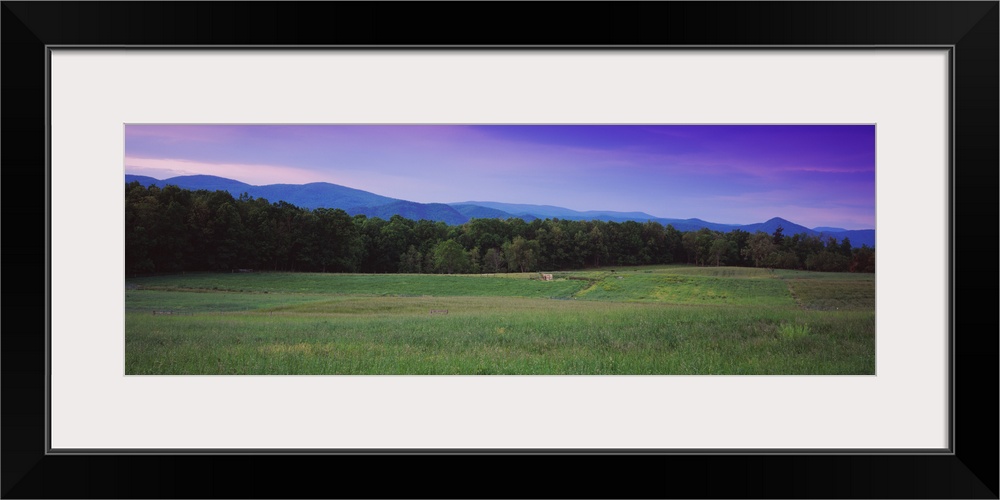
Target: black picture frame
x=970 y=28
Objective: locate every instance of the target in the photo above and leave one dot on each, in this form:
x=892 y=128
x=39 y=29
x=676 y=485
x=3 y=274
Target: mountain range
x=355 y=201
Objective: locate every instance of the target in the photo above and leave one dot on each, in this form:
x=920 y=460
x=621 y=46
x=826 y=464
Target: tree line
x=171 y=229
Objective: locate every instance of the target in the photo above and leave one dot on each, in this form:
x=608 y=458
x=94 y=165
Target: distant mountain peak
x=205 y=177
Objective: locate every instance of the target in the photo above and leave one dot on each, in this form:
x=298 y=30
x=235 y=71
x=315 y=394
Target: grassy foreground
x=640 y=321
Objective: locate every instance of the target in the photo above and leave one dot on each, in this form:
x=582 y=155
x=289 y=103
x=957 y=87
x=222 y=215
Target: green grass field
x=664 y=320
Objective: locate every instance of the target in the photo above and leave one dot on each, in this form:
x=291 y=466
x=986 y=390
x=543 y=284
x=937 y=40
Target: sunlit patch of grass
x=689 y=289
x=793 y=330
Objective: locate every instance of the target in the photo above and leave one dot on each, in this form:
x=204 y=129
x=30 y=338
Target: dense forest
x=171 y=230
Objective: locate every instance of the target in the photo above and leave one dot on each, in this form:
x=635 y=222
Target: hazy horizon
x=813 y=175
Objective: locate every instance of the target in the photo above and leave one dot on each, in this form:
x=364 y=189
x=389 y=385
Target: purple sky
x=813 y=175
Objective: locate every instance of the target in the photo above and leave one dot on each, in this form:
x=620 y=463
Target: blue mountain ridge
x=355 y=202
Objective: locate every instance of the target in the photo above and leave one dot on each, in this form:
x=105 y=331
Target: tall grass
x=643 y=321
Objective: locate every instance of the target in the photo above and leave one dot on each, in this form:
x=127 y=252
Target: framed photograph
x=358 y=268
x=919 y=79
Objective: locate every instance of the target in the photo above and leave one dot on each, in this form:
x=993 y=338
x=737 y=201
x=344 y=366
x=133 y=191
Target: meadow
x=661 y=320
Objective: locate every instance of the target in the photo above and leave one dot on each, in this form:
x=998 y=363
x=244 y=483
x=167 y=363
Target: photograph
x=584 y=249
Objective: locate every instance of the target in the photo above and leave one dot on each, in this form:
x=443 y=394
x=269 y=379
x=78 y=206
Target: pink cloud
x=249 y=173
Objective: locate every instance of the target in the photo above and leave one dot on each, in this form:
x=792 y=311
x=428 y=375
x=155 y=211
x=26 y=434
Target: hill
x=355 y=201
